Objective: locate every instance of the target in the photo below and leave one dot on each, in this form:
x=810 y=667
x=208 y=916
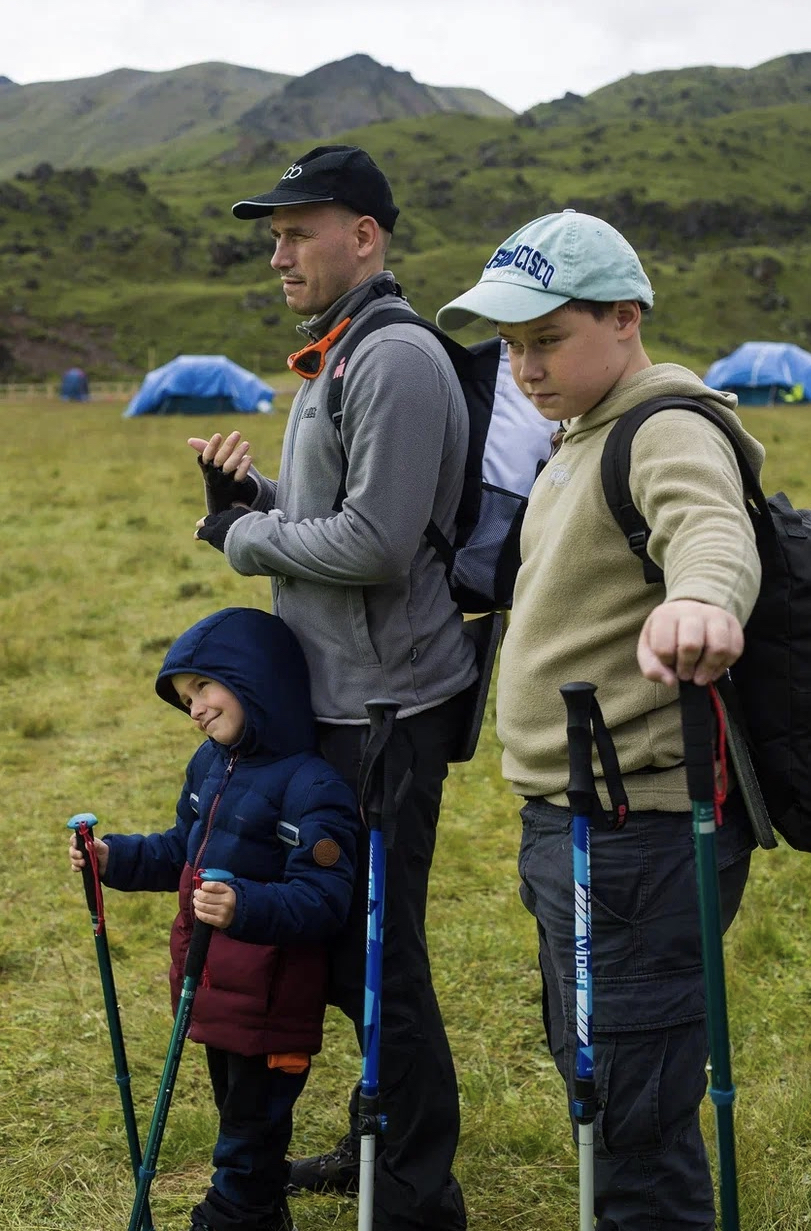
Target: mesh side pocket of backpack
x=484 y=568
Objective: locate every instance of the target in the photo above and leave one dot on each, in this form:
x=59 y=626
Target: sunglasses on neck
x=309 y=361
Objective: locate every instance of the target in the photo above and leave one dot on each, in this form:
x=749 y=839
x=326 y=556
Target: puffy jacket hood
x=257 y=657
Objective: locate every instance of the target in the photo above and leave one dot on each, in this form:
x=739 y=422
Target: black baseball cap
x=343 y=173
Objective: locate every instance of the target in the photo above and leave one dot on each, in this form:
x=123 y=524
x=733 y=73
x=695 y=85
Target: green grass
x=100 y=573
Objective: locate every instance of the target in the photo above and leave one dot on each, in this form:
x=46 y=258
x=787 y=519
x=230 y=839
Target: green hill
x=685 y=94
x=120 y=269
x=190 y=115
x=92 y=121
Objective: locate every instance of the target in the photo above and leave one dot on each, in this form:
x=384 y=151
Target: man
x=568 y=292
x=341 y=535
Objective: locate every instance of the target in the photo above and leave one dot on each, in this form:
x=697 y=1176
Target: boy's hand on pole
x=77 y=860
x=688 y=640
x=215 y=903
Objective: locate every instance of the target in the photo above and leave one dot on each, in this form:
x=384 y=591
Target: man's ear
x=628 y=316
x=367 y=233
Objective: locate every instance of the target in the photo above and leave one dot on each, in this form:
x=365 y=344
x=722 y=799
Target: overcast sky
x=521 y=52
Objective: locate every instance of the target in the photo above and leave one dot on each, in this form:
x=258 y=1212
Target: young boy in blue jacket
x=259 y=801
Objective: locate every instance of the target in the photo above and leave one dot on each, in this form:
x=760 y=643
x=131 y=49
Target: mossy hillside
x=686 y=93
x=154 y=262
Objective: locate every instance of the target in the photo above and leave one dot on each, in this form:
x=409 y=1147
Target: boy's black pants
x=650 y=1036
x=414 y=1187
x=256 y=1122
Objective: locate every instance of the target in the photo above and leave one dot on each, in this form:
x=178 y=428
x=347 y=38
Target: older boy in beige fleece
x=568 y=293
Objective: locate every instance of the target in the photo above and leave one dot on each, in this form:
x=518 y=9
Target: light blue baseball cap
x=548 y=262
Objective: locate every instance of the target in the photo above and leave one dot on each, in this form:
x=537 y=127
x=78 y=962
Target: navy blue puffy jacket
x=274 y=814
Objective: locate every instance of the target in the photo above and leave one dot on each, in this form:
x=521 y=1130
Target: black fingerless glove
x=224 y=489
x=216 y=526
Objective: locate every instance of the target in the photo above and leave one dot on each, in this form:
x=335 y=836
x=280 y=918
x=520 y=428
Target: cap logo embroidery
x=326 y=852
x=528 y=260
x=292 y=172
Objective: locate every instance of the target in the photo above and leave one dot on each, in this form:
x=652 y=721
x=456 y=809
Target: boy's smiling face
x=213 y=708
x=567 y=361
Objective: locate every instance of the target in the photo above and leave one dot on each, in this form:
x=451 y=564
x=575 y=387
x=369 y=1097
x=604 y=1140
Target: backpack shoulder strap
x=616 y=472
x=367 y=325
x=479 y=363
x=461 y=358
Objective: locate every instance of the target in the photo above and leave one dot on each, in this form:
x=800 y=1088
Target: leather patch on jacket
x=326 y=852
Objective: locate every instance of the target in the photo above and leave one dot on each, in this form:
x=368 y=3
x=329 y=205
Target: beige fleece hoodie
x=581 y=599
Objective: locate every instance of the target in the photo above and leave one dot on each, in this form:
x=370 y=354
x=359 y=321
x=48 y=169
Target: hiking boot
x=335 y=1172
x=280 y=1220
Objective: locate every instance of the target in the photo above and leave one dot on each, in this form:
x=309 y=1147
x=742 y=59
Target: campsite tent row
x=759 y=373
x=200 y=384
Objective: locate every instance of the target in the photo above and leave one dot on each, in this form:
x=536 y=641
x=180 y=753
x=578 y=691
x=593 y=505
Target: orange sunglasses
x=309 y=361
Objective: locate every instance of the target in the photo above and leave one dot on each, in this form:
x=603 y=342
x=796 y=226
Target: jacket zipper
x=210 y=822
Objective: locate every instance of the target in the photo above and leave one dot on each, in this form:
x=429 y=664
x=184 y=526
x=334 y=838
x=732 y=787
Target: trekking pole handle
x=379 y=710
x=697 y=731
x=202 y=932
x=578 y=697
x=76 y=823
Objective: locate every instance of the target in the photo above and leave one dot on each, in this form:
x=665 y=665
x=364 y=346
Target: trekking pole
x=699 y=759
x=581 y=794
x=82 y=825
x=192 y=972
x=377 y=808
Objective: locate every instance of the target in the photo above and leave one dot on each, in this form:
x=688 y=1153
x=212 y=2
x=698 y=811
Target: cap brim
x=260 y=207
x=497 y=301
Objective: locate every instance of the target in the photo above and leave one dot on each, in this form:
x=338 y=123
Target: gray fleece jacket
x=361 y=589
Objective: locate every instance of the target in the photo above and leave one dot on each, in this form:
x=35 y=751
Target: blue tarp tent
x=762 y=373
x=200 y=385
x=74 y=387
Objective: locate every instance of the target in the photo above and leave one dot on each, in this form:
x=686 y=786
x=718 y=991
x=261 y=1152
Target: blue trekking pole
x=699 y=759
x=378 y=808
x=581 y=793
x=192 y=972
x=82 y=825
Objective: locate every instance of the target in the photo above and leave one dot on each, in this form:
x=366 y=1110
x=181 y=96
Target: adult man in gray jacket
x=341 y=534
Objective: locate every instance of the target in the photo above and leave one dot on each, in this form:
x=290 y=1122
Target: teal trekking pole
x=192 y=973
x=699 y=758
x=82 y=825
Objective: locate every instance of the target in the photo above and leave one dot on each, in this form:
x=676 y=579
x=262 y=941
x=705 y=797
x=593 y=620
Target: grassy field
x=100 y=574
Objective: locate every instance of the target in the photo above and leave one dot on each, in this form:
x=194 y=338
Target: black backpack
x=482 y=562
x=769 y=689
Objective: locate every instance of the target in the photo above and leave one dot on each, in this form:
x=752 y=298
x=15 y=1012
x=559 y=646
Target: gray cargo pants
x=650 y=1041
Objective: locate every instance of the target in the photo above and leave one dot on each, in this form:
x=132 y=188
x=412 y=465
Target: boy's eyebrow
x=504 y=331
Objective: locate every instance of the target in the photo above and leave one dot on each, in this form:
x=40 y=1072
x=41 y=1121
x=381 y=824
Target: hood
x=257 y=657
x=660 y=380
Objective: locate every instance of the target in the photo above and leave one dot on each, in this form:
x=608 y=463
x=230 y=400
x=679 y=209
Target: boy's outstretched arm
x=688 y=640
